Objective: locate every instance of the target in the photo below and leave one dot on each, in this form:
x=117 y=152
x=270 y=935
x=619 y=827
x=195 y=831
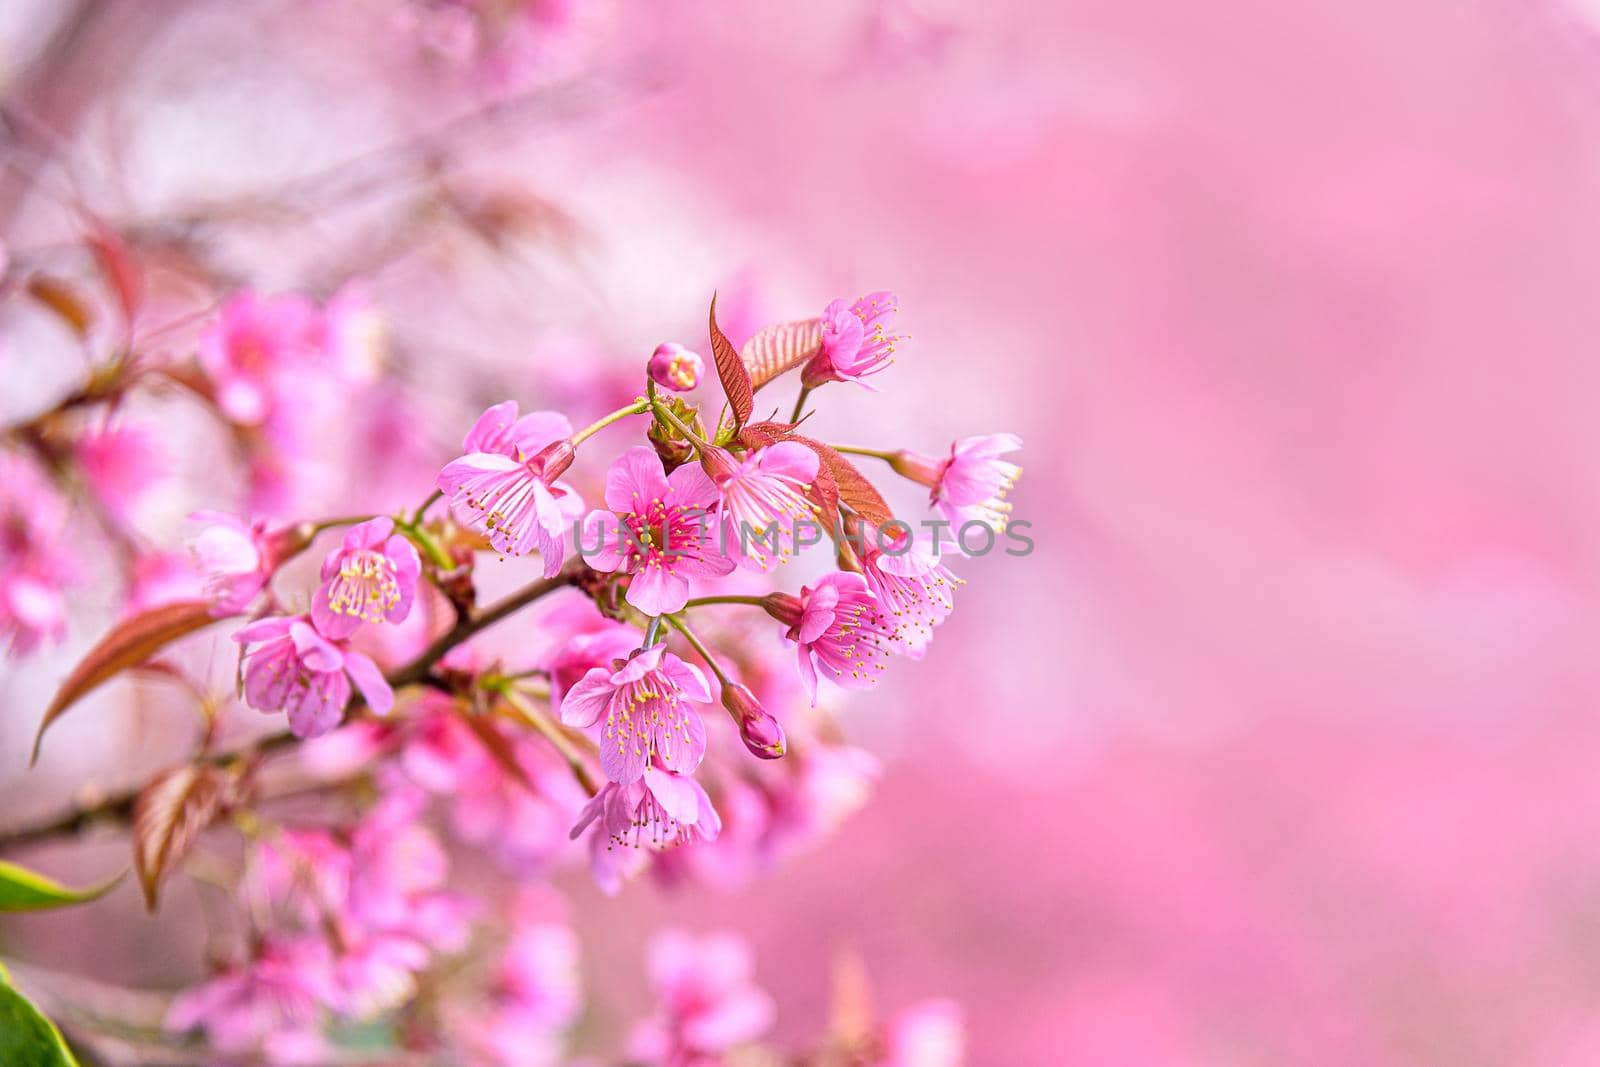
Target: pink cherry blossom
x=708 y=1002
x=763 y=498
x=839 y=625
x=675 y=367
x=120 y=464
x=236 y=557
x=857 y=341
x=534 y=993
x=295 y=669
x=370 y=577
x=656 y=530
x=971 y=484
x=645 y=705
x=658 y=809
x=504 y=485
x=163 y=578
x=34 y=567
x=273 y=1003
x=251 y=350
x=585 y=639
x=912 y=586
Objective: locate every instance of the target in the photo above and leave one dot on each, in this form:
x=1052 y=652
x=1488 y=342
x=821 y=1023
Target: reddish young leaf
x=120 y=269
x=65 y=302
x=129 y=644
x=776 y=350
x=730 y=368
x=169 y=814
x=854 y=489
x=825 y=489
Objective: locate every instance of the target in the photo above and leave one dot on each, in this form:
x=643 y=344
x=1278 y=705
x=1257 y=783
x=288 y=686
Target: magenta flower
x=656 y=530
x=273 y=1003
x=763 y=498
x=505 y=487
x=857 y=341
x=838 y=625
x=970 y=485
x=249 y=348
x=34 y=568
x=659 y=808
x=120 y=465
x=297 y=670
x=370 y=577
x=645 y=703
x=912 y=586
x=675 y=367
x=708 y=1001
x=237 y=559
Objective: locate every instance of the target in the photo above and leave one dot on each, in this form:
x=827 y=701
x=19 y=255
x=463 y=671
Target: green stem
x=800 y=403
x=638 y=407
x=422 y=509
x=856 y=450
x=702 y=601
x=683 y=628
x=552 y=733
x=427 y=545
x=665 y=414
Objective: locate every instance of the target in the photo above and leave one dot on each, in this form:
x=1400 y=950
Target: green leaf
x=27 y=1038
x=25 y=890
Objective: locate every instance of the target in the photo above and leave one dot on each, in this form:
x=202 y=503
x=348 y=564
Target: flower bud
x=917 y=468
x=553 y=460
x=785 y=608
x=719 y=464
x=759 y=730
x=675 y=367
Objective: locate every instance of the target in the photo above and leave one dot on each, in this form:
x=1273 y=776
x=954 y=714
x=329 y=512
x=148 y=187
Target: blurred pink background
x=1281 y=747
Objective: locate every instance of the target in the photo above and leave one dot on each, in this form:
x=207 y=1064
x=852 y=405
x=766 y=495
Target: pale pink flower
x=857 y=341
x=251 y=349
x=645 y=704
x=295 y=669
x=273 y=1004
x=236 y=557
x=763 y=498
x=971 y=484
x=504 y=486
x=656 y=530
x=370 y=577
x=120 y=464
x=708 y=1002
x=675 y=367
x=659 y=809
x=929 y=1034
x=352 y=335
x=534 y=993
x=913 y=587
x=838 y=626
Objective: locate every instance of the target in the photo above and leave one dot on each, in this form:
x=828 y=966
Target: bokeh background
x=1282 y=745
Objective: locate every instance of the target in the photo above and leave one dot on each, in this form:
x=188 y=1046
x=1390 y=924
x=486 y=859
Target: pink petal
x=634 y=480
x=370 y=680
x=588 y=700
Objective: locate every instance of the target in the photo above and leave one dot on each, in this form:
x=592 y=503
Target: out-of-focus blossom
x=656 y=530
x=504 y=485
x=236 y=557
x=164 y=578
x=251 y=350
x=534 y=993
x=708 y=1002
x=930 y=1034
x=645 y=704
x=120 y=464
x=839 y=625
x=370 y=577
x=582 y=639
x=970 y=485
x=675 y=367
x=34 y=568
x=763 y=498
x=297 y=670
x=858 y=340
x=912 y=586
x=353 y=336
x=273 y=1003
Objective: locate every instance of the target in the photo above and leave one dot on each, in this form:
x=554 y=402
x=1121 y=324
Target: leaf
x=129 y=644
x=730 y=368
x=854 y=489
x=778 y=349
x=169 y=814
x=25 y=890
x=27 y=1038
x=119 y=268
x=64 y=301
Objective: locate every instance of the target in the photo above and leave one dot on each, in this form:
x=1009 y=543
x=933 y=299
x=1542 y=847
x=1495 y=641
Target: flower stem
x=856 y=450
x=638 y=407
x=428 y=546
x=552 y=733
x=800 y=403
x=702 y=601
x=683 y=628
x=665 y=414
x=422 y=509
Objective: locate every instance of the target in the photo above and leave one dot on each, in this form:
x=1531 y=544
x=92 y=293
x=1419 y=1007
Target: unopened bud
x=918 y=468
x=553 y=460
x=675 y=367
x=759 y=730
x=719 y=464
x=785 y=608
